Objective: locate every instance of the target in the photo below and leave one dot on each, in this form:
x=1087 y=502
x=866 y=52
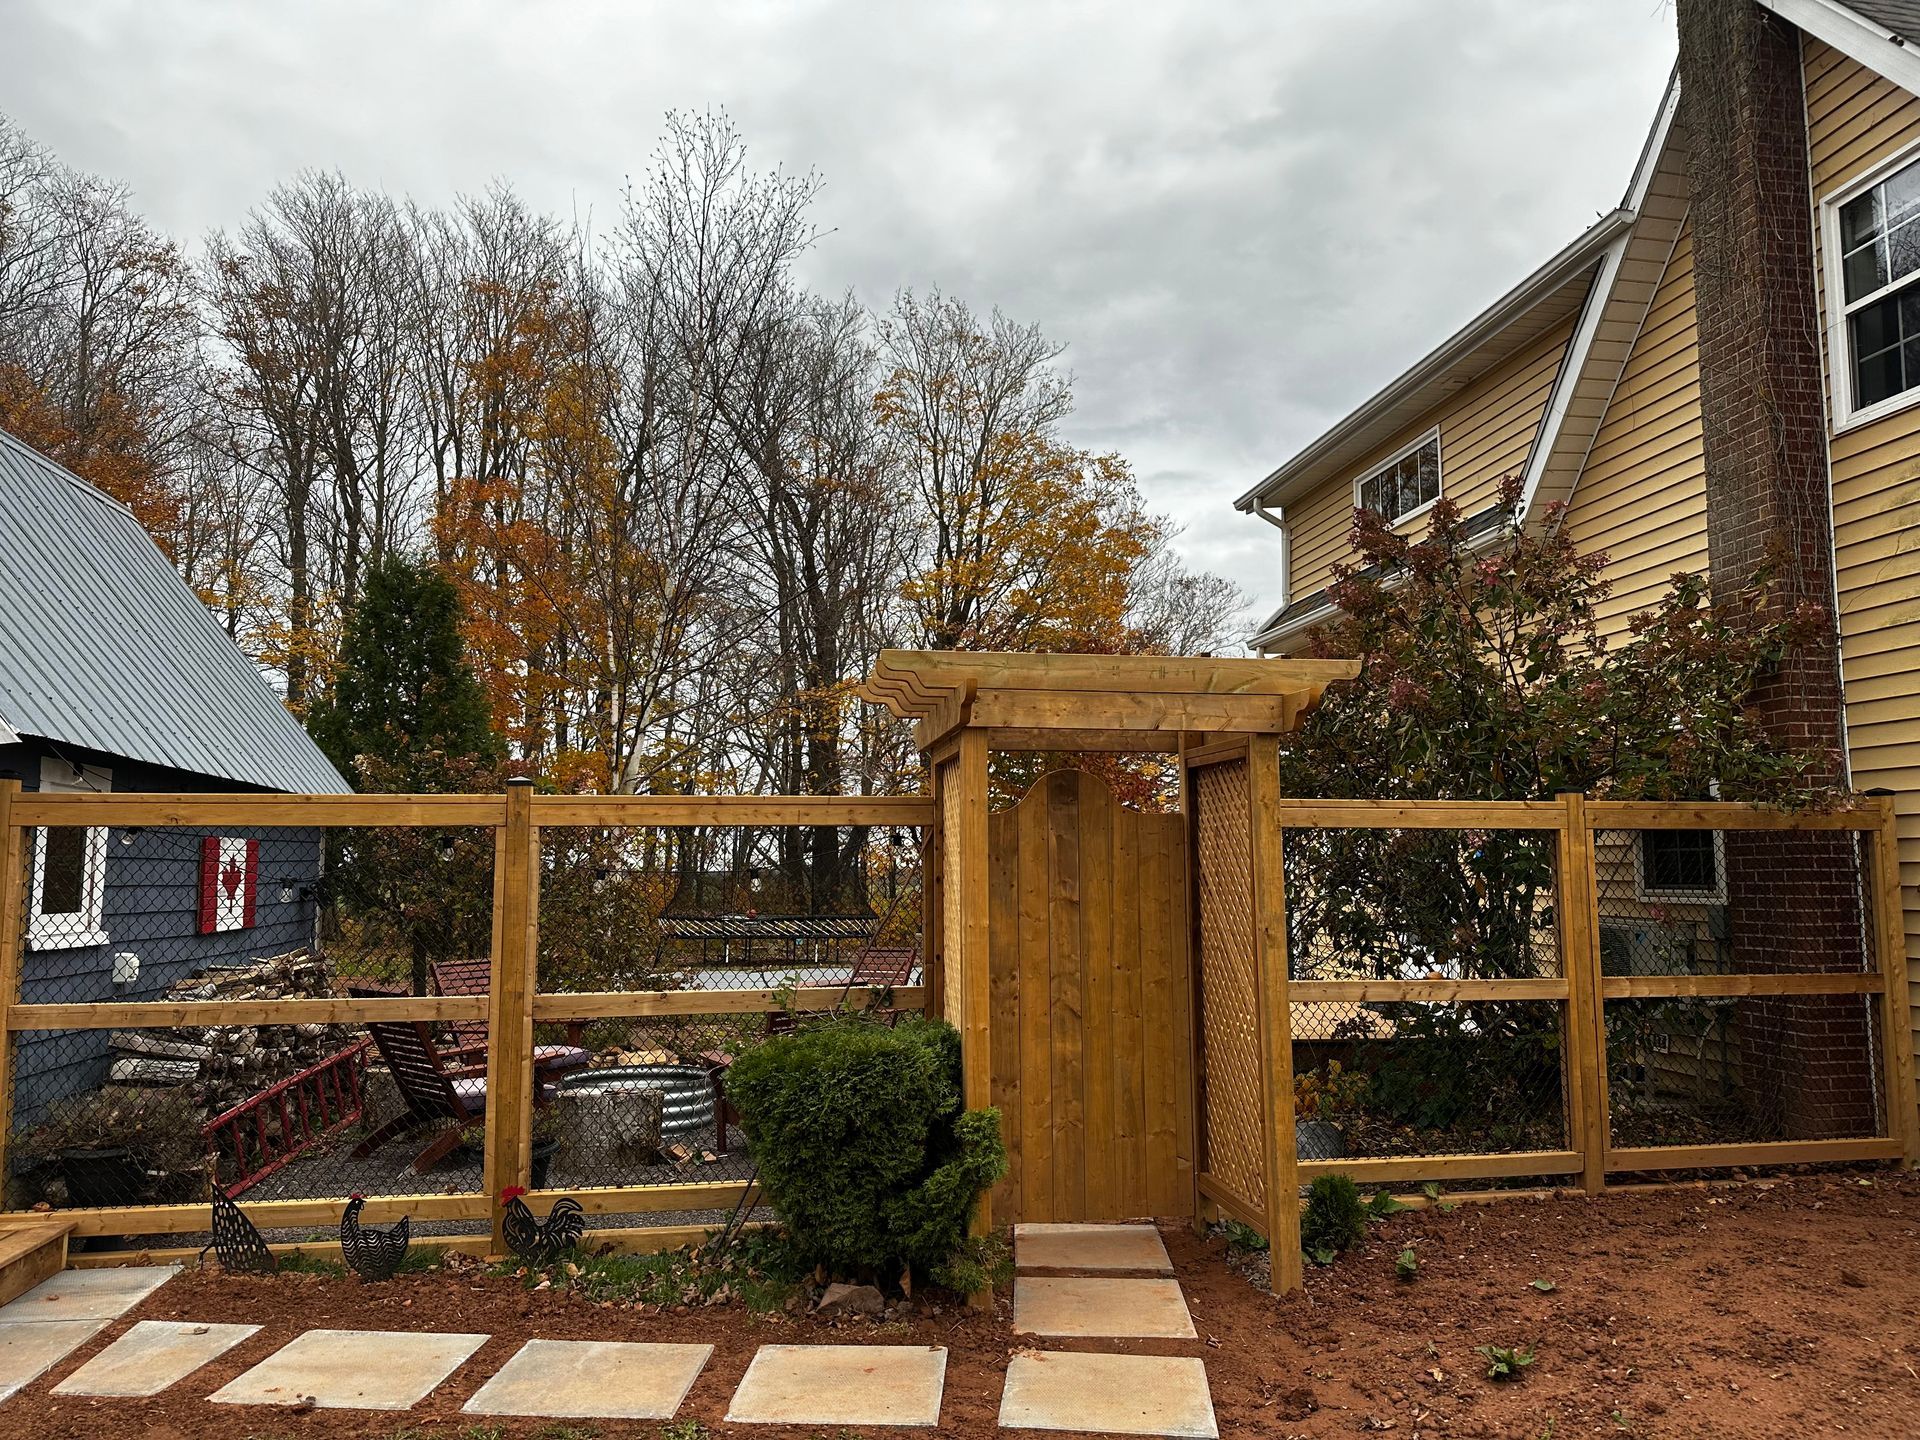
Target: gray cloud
x=1243 y=218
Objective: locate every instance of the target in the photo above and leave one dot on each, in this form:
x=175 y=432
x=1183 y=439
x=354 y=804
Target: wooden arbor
x=966 y=705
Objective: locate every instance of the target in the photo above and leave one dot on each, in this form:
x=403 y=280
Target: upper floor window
x=1406 y=484
x=1873 y=235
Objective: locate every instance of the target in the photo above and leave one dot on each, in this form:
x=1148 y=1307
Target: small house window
x=69 y=868
x=1682 y=866
x=1874 y=264
x=1404 y=486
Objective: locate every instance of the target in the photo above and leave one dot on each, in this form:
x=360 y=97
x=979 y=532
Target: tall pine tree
x=405 y=708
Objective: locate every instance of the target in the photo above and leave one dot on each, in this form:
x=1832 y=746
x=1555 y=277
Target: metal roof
x=104 y=647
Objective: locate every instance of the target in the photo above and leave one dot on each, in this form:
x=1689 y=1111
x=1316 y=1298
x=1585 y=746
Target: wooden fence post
x=971 y=948
x=510 y=990
x=1205 y=1212
x=1896 y=1007
x=1586 y=1029
x=13 y=880
x=1274 y=1014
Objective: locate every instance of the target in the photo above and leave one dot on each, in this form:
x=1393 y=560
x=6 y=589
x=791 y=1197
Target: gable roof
x=1607 y=277
x=104 y=647
x=1535 y=306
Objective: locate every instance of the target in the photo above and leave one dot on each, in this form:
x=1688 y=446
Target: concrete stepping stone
x=28 y=1348
x=59 y=1315
x=1103 y=1307
x=352 y=1370
x=1090 y=1247
x=841 y=1385
x=592 y=1380
x=103 y=1294
x=1109 y=1395
x=151 y=1356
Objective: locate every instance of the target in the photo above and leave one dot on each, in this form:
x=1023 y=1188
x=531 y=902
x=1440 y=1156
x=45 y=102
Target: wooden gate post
x=510 y=989
x=13 y=884
x=1896 y=1011
x=1585 y=1030
x=1275 y=1015
x=973 y=947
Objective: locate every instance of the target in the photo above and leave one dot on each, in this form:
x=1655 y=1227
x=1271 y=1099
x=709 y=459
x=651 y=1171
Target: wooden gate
x=1092 y=1004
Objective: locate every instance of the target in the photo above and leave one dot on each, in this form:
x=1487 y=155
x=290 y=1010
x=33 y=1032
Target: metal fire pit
x=686 y=1091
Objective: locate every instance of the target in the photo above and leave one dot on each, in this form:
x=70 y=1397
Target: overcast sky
x=1242 y=219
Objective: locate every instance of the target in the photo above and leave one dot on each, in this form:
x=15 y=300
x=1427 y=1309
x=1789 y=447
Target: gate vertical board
x=1087 y=945
x=1096 y=823
x=1129 y=1029
x=1003 y=888
x=1033 y=1122
x=1061 y=798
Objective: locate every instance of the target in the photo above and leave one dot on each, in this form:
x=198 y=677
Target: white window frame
x=1840 y=377
x=1432 y=437
x=1716 y=896
x=86 y=928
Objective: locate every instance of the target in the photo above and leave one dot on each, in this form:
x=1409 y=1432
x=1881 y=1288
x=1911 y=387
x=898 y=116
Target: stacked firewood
x=226 y=1064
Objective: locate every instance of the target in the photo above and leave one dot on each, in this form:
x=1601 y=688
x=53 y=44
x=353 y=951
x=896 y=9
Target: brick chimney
x=1763 y=412
x=1793 y=903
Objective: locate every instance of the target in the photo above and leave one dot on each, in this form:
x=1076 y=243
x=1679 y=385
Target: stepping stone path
x=842 y=1385
x=151 y=1356
x=1102 y=1394
x=352 y=1370
x=58 y=1316
x=592 y=1380
x=1099 y=1281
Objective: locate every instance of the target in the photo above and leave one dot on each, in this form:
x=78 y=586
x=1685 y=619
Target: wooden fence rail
x=510 y=1007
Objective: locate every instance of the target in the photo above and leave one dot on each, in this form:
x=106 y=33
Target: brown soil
x=1773 y=1310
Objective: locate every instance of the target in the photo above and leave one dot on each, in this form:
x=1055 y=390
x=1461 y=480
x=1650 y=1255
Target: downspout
x=1278 y=519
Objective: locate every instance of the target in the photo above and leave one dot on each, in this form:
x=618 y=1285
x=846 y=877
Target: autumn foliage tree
x=680 y=498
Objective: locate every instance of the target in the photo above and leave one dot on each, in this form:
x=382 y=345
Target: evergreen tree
x=404 y=701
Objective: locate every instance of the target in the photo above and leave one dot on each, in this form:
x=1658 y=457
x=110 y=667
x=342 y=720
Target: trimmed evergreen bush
x=1335 y=1218
x=864 y=1151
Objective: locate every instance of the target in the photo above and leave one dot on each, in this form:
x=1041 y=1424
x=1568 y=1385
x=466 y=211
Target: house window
x=69 y=868
x=1682 y=866
x=1873 y=239
x=1404 y=486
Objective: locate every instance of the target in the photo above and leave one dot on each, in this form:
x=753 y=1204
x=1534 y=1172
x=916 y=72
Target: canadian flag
x=229 y=882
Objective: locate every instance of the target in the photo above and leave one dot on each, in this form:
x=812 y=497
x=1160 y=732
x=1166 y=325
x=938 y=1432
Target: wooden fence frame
x=511 y=1006
x=1580 y=989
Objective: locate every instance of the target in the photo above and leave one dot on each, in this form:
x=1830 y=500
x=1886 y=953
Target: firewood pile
x=225 y=1064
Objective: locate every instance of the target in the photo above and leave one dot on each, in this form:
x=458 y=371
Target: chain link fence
x=1686 y=917
x=686 y=944
x=1393 y=917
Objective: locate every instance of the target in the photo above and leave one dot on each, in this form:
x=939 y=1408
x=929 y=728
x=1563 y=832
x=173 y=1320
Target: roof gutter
x=1550 y=277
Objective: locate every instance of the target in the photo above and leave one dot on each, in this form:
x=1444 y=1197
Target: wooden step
x=31 y=1253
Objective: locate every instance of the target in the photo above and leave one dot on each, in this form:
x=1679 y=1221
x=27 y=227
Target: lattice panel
x=1229 y=1009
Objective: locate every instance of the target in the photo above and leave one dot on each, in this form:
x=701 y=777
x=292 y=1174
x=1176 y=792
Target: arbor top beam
x=1040 y=702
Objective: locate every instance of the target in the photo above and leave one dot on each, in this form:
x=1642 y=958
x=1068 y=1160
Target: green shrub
x=863 y=1148
x=1335 y=1218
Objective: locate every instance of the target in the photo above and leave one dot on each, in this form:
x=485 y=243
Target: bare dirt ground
x=1784 y=1308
